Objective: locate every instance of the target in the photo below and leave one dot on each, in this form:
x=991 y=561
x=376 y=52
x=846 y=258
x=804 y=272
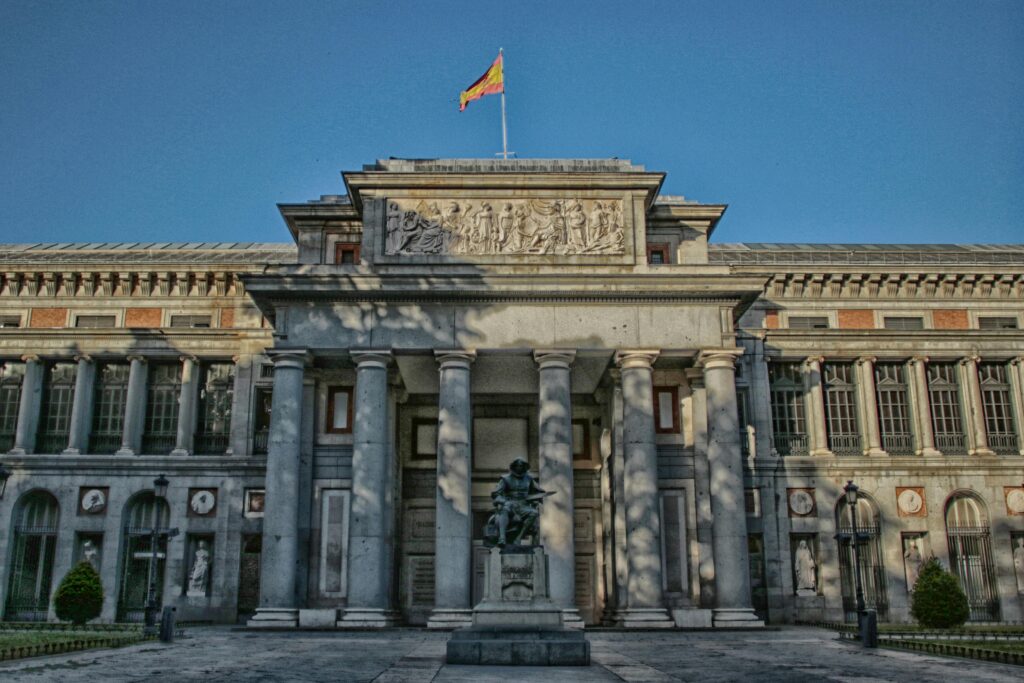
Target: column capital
x=546 y=358
x=136 y=357
x=914 y=360
x=83 y=358
x=969 y=360
x=371 y=358
x=636 y=358
x=812 y=361
x=188 y=357
x=713 y=359
x=455 y=358
x=862 y=360
x=291 y=358
x=1017 y=360
x=30 y=358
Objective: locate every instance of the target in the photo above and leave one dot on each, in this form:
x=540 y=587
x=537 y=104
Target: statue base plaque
x=516 y=623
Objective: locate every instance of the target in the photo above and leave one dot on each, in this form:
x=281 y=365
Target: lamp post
x=866 y=621
x=155 y=533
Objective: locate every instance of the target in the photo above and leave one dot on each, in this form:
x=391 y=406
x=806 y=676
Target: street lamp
x=5 y=474
x=155 y=533
x=867 y=621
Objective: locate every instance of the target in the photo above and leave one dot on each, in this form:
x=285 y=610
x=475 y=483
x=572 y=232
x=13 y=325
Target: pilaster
x=869 y=406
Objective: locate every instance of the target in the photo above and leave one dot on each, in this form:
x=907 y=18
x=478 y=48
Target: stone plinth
x=517 y=623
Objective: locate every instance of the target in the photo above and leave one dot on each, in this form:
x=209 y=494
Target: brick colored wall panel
x=950 y=320
x=143 y=317
x=49 y=317
x=857 y=319
x=227 y=317
x=771 y=320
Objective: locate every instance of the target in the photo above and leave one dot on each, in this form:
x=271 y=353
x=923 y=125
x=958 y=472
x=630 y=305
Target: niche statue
x=517 y=501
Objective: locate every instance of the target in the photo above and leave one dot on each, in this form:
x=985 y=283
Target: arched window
x=142 y=512
x=970 y=554
x=31 y=570
x=872 y=570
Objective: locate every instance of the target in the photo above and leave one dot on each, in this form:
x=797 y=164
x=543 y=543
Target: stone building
x=332 y=414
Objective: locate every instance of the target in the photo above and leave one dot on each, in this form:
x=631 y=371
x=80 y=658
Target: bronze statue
x=517 y=501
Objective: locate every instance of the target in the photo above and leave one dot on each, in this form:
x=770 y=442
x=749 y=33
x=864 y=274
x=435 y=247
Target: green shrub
x=79 y=597
x=938 y=601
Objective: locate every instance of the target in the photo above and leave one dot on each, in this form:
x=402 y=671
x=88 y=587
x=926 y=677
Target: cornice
x=124 y=281
x=1004 y=283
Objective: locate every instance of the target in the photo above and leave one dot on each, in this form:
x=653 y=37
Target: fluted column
x=81 y=407
x=134 y=408
x=922 y=407
x=869 y=406
x=1017 y=389
x=453 y=551
x=815 y=407
x=187 y=400
x=733 y=606
x=369 y=595
x=557 y=530
x=280 y=559
x=28 y=407
x=646 y=603
x=978 y=432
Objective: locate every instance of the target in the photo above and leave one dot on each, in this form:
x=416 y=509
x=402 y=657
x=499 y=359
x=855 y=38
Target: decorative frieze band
x=119 y=283
x=896 y=285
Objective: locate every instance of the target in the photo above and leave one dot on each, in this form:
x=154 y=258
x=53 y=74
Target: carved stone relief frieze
x=504 y=226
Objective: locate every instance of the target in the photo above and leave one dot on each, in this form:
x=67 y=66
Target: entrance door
x=249 y=576
x=138 y=558
x=35 y=539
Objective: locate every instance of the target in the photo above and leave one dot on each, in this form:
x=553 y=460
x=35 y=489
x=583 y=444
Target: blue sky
x=816 y=121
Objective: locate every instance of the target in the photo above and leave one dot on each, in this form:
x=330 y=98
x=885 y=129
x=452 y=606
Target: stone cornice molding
x=137 y=282
x=787 y=283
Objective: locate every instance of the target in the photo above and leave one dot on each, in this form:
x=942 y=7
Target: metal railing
x=211 y=444
x=51 y=442
x=260 y=441
x=845 y=444
x=898 y=444
x=104 y=444
x=1004 y=444
x=951 y=444
x=158 y=444
x=6 y=441
x=791 y=444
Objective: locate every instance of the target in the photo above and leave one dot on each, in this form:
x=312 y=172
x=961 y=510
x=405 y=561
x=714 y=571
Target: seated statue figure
x=517 y=501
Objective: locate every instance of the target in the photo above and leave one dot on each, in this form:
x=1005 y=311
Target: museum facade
x=332 y=414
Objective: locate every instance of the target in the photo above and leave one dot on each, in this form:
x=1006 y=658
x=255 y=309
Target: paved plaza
x=221 y=654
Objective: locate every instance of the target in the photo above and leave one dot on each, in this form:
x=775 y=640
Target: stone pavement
x=406 y=655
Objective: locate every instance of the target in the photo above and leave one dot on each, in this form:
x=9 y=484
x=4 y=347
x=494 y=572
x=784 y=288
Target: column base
x=571 y=618
x=875 y=453
x=693 y=618
x=649 y=617
x=929 y=453
x=71 y=451
x=17 y=451
x=180 y=451
x=735 y=617
x=367 y=617
x=983 y=452
x=274 y=617
x=822 y=452
x=125 y=451
x=444 y=618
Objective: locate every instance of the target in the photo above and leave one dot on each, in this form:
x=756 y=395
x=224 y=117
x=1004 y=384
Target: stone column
x=646 y=603
x=733 y=606
x=618 y=459
x=279 y=562
x=28 y=408
x=1017 y=392
x=978 y=432
x=922 y=406
x=81 y=408
x=869 y=406
x=369 y=564
x=135 y=407
x=453 y=550
x=818 y=436
x=557 y=528
x=187 y=400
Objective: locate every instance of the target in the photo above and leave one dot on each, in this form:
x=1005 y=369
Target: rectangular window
x=339 y=410
x=893 y=411
x=666 y=410
x=808 y=322
x=839 y=380
x=110 y=398
x=424 y=439
x=657 y=254
x=213 y=430
x=11 y=375
x=944 y=399
x=743 y=419
x=995 y=399
x=95 y=320
x=162 y=392
x=10 y=321
x=997 y=323
x=346 y=254
x=789 y=422
x=196 y=321
x=261 y=424
x=267 y=371
x=55 y=416
x=334 y=512
x=904 y=323
x=581 y=440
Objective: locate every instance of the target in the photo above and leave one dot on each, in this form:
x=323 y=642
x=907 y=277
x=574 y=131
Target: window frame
x=657 y=391
x=903 y=319
x=332 y=391
x=343 y=247
x=658 y=247
x=95 y=317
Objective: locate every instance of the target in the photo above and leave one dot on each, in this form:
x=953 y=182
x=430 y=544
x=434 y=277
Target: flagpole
x=504 y=127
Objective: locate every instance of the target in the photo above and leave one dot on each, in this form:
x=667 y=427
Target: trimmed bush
x=938 y=601
x=79 y=597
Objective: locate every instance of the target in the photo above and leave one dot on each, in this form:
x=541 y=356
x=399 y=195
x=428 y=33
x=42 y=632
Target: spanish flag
x=490 y=83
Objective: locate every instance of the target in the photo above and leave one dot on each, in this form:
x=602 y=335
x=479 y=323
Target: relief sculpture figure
x=517 y=501
x=806 y=569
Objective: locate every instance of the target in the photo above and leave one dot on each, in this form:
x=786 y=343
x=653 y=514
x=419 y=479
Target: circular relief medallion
x=94 y=500
x=910 y=502
x=801 y=502
x=1015 y=501
x=202 y=502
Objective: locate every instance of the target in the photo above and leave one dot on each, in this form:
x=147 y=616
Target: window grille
x=970 y=556
x=109 y=404
x=267 y=371
x=261 y=423
x=995 y=399
x=57 y=399
x=95 y=321
x=806 y=322
x=164 y=388
x=893 y=410
x=789 y=422
x=215 y=396
x=997 y=323
x=947 y=415
x=872 y=568
x=11 y=375
x=10 y=321
x=196 y=321
x=32 y=560
x=743 y=415
x=904 y=323
x=841 y=408
x=145 y=510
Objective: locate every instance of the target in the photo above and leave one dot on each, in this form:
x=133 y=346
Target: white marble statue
x=806 y=570
x=913 y=561
x=1018 y=563
x=91 y=554
x=197 y=578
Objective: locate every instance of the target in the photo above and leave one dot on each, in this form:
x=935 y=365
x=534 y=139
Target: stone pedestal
x=517 y=623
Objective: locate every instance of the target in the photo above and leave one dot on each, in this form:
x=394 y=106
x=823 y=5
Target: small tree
x=938 y=601
x=79 y=597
